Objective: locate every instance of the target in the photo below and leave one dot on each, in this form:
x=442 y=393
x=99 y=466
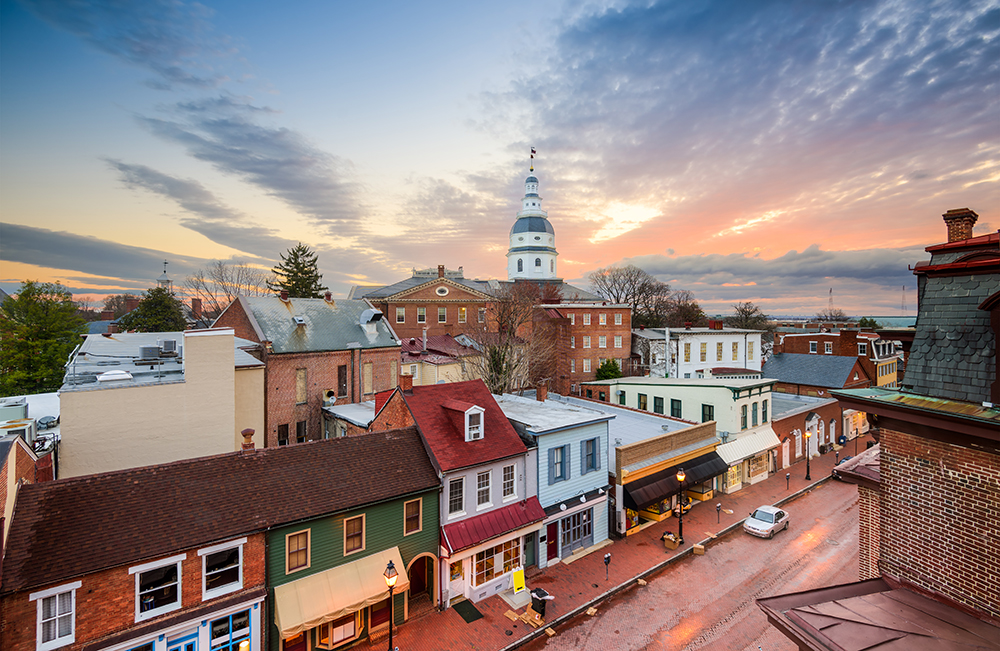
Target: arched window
x=552 y=265
x=538 y=262
x=520 y=264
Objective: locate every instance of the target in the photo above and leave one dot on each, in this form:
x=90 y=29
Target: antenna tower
x=902 y=302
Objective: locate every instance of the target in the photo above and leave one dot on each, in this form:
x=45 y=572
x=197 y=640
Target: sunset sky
x=764 y=151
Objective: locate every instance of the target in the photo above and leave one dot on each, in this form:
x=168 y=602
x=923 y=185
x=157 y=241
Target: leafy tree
x=158 y=311
x=118 y=304
x=608 y=371
x=832 y=314
x=38 y=331
x=868 y=322
x=219 y=284
x=298 y=273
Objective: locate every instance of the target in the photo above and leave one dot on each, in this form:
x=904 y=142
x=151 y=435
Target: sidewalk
x=578 y=585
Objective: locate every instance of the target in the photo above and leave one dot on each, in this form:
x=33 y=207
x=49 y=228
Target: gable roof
x=71 y=527
x=833 y=371
x=407 y=285
x=326 y=325
x=444 y=437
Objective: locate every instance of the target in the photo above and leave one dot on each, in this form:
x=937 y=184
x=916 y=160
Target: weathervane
x=532 y=160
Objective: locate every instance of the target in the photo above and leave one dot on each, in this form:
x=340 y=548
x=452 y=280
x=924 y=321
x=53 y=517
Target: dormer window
x=474 y=424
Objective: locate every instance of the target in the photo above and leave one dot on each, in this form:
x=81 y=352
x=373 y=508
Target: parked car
x=766 y=521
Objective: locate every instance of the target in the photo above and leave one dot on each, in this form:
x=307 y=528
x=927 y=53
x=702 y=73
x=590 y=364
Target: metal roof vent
x=370 y=316
x=299 y=321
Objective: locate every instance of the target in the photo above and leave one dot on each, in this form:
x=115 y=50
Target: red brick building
x=795 y=416
x=879 y=358
x=314 y=349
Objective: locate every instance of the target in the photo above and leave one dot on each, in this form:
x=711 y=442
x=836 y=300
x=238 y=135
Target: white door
x=456 y=583
x=784 y=453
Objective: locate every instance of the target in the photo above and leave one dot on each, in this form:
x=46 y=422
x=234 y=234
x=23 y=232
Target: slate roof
x=328 y=325
x=71 y=527
x=444 y=429
x=833 y=371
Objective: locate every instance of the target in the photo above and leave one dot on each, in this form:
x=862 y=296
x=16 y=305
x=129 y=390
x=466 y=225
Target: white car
x=765 y=522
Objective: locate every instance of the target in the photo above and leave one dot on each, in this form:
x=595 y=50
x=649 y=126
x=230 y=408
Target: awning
x=649 y=490
x=748 y=444
x=328 y=595
x=492 y=524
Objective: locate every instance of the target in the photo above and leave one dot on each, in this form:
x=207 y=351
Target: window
x=736 y=351
x=442 y=315
x=421 y=315
x=558 y=462
x=618 y=319
x=283 y=434
x=812 y=346
x=621 y=397
x=753 y=415
x=228 y=632
x=572 y=366
x=743 y=417
x=602 y=341
x=538 y=262
x=56 y=616
x=618 y=341
x=508 y=482
x=642 y=403
x=497 y=561
x=483 y=489
x=300 y=431
x=461 y=314
x=572 y=342
x=400 y=315
x=482 y=315
x=602 y=396
x=157 y=587
x=552 y=265
x=828 y=348
x=750 y=350
x=473 y=425
x=456 y=496
x=707 y=413
x=586 y=319
x=339 y=630
x=300 y=386
x=703 y=351
x=591 y=449
x=602 y=319
x=586 y=342
x=354 y=534
x=862 y=349
x=221 y=568
x=590 y=393
x=366 y=379
x=763 y=411
x=572 y=319
x=687 y=352
x=718 y=352
x=675 y=408
x=520 y=264
x=586 y=366
x=297 y=551
x=342 y=380
x=412 y=521
x=657 y=405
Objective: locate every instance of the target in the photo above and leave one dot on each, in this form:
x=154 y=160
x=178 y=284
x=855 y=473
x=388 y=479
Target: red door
x=418 y=576
x=552 y=540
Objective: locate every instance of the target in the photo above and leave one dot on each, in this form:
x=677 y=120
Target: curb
x=535 y=634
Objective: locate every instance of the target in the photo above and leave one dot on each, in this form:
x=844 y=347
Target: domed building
x=532 y=253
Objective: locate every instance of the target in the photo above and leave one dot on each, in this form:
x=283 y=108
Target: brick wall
x=940 y=523
x=571 y=357
x=785 y=428
x=236 y=318
x=105 y=602
x=868 y=533
x=25 y=465
x=393 y=415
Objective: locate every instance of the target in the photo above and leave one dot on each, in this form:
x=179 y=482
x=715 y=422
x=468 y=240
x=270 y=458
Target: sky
x=777 y=152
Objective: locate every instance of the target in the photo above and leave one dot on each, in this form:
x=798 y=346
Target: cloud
x=205 y=213
x=171 y=38
x=225 y=132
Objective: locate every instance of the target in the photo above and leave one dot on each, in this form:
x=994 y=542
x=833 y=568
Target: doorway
x=577 y=531
x=552 y=541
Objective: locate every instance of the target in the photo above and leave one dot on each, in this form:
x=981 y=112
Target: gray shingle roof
x=831 y=371
x=326 y=326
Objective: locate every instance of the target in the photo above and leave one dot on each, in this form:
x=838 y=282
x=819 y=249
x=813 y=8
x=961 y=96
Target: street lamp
x=808 y=454
x=680 y=505
x=390 y=575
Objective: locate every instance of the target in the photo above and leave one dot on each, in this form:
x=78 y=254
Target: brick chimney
x=687 y=325
x=542 y=392
x=196 y=307
x=960 y=222
x=247 y=445
x=284 y=295
x=406 y=384
x=131 y=304
x=440 y=271
x=328 y=297
x=107 y=315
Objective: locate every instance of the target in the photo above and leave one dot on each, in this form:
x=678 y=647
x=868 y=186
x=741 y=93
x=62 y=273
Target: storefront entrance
x=577 y=531
x=552 y=540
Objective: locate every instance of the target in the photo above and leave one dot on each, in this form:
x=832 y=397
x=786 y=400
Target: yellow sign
x=519 y=581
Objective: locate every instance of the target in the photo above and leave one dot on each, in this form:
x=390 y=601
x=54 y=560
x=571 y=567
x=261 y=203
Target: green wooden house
x=325 y=571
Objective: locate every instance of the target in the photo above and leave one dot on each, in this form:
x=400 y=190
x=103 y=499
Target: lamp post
x=390 y=575
x=808 y=454
x=680 y=505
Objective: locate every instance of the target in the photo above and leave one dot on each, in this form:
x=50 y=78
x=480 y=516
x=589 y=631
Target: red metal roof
x=972 y=242
x=493 y=524
x=443 y=429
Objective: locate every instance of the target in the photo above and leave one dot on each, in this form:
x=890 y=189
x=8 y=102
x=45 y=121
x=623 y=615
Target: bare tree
x=748 y=316
x=219 y=284
x=832 y=314
x=117 y=304
x=648 y=297
x=682 y=308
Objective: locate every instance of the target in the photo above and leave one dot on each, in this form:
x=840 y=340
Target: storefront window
x=228 y=632
x=496 y=561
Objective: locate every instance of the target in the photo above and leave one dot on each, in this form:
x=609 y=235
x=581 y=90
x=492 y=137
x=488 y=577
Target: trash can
x=538 y=601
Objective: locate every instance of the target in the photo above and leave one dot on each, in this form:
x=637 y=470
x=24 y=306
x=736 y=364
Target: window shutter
x=583 y=457
x=597 y=453
x=567 y=450
x=552 y=466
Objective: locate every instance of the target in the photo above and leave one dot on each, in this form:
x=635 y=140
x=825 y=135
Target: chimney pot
x=328 y=296
x=687 y=325
x=440 y=271
x=284 y=295
x=247 y=445
x=541 y=393
x=960 y=222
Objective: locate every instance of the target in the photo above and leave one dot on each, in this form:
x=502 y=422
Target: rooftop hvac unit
x=23 y=427
x=149 y=352
x=169 y=346
x=12 y=408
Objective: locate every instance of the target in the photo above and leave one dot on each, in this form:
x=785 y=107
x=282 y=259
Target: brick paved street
x=580 y=583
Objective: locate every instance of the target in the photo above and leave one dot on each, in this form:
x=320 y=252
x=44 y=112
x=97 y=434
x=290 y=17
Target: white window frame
x=586 y=341
x=813 y=347
x=505 y=495
x=618 y=318
x=586 y=365
x=482 y=315
x=138 y=570
x=462 y=314
x=572 y=342
x=828 y=347
x=41 y=596
x=862 y=349
x=420 y=516
x=602 y=341
x=572 y=366
x=480 y=488
x=364 y=535
x=586 y=319
x=421 y=315
x=602 y=319
x=461 y=511
x=400 y=315
x=472 y=434
x=226 y=589
x=618 y=341
x=442 y=314
x=572 y=319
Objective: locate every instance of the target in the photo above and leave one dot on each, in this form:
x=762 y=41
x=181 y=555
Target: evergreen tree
x=158 y=311
x=868 y=322
x=298 y=273
x=608 y=371
x=38 y=331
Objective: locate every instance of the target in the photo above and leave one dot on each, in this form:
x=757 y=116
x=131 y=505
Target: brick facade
x=790 y=427
x=427 y=297
x=940 y=523
x=572 y=348
x=868 y=533
x=105 y=602
x=393 y=414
